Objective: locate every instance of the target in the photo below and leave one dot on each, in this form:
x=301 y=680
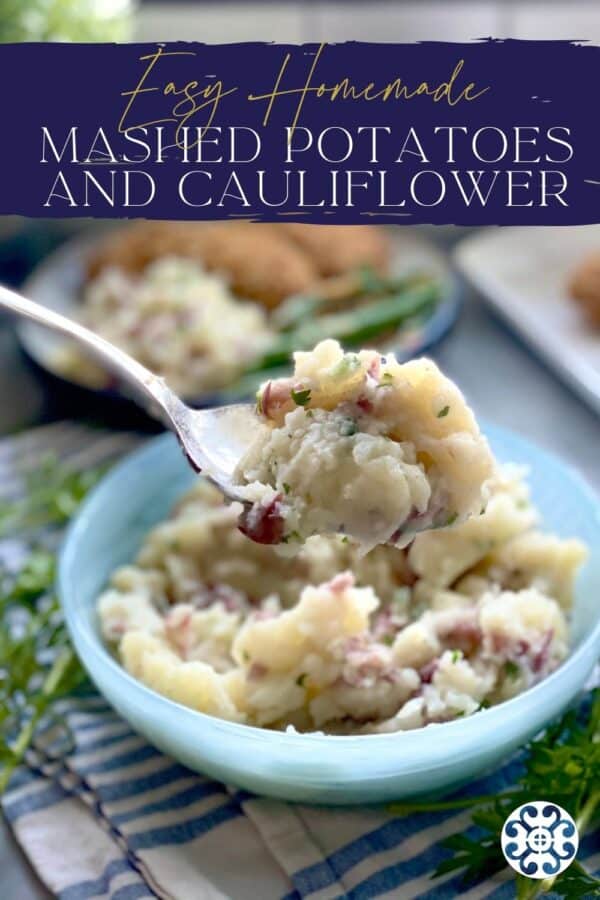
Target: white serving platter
x=524 y=274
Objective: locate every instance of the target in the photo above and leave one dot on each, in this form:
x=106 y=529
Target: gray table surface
x=499 y=375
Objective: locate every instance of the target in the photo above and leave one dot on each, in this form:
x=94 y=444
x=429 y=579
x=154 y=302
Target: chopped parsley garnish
x=345 y=539
x=386 y=380
x=456 y=655
x=301 y=679
x=301 y=397
x=443 y=412
x=388 y=639
x=452 y=519
x=286 y=487
x=511 y=669
x=348 y=427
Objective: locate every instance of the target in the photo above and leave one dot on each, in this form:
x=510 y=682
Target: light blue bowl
x=314 y=768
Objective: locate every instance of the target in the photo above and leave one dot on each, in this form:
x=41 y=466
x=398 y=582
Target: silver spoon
x=214 y=440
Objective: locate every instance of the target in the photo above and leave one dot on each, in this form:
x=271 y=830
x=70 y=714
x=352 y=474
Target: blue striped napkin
x=101 y=814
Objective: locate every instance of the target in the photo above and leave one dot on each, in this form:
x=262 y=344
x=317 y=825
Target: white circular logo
x=539 y=839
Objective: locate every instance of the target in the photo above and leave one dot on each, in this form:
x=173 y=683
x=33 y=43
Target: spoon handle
x=156 y=396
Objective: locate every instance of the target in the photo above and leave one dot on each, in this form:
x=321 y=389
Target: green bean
x=351 y=327
x=363 y=283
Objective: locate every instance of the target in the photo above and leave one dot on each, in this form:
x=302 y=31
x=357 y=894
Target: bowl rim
x=523 y=705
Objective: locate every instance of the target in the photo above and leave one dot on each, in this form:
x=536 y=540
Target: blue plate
x=315 y=768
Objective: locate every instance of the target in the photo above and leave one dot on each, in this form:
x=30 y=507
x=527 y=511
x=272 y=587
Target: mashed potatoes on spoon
x=359 y=444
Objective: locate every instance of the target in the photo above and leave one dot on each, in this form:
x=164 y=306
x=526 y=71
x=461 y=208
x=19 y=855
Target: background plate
x=58 y=280
x=523 y=273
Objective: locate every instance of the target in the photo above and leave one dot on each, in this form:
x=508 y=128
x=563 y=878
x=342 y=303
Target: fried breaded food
x=585 y=288
x=336 y=249
x=259 y=261
x=133 y=247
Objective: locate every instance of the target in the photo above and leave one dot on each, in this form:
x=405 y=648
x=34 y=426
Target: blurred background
x=29 y=399
x=382 y=20
x=303 y=20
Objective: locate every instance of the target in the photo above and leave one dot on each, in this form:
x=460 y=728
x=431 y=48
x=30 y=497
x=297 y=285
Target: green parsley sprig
x=301 y=396
x=37 y=663
x=562 y=766
x=52 y=495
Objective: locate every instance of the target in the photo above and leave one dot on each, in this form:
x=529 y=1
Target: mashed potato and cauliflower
x=176 y=319
x=339 y=641
x=359 y=444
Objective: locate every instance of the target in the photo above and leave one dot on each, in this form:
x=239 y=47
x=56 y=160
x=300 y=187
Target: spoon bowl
x=214 y=441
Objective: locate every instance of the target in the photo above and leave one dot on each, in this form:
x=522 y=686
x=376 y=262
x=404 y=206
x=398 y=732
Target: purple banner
x=490 y=132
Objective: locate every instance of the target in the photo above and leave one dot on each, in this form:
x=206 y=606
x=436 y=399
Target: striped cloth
x=102 y=814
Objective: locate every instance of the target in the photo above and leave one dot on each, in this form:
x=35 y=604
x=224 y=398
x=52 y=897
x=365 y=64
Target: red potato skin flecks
x=540 y=658
x=427 y=671
x=265 y=399
x=276 y=400
x=375 y=368
x=364 y=404
x=257 y=671
x=341 y=582
x=263 y=524
x=465 y=635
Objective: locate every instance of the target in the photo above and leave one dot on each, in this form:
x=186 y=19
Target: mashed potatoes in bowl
x=336 y=641
x=177 y=319
x=329 y=765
